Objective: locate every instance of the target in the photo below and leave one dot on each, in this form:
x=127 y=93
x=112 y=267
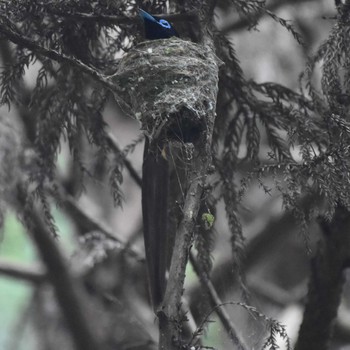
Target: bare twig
x=214 y=301
x=19 y=271
x=90 y=223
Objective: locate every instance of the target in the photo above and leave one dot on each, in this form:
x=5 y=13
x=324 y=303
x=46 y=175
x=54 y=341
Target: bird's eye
x=164 y=23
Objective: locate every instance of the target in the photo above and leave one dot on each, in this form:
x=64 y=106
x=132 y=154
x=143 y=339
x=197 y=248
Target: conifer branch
x=103 y=18
x=117 y=19
x=113 y=143
x=59 y=57
x=245 y=22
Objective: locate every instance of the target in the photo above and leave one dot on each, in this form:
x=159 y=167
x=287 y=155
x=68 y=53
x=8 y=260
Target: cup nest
x=170 y=85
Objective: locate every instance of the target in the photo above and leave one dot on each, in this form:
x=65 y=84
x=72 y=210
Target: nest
x=170 y=85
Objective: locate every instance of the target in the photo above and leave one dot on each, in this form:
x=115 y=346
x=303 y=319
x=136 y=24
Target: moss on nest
x=163 y=79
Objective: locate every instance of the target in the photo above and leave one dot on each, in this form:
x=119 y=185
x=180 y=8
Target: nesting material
x=164 y=81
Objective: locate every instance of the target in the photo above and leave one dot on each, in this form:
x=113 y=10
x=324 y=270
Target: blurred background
x=277 y=261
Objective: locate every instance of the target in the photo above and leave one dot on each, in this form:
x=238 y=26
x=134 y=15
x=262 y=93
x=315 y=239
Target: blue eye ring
x=164 y=23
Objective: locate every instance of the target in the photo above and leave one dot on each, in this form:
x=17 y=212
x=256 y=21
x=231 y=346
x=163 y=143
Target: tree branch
x=32 y=274
x=119 y=20
x=276 y=230
x=205 y=282
x=113 y=143
x=90 y=223
x=214 y=301
x=24 y=41
x=170 y=320
x=105 y=18
x=68 y=291
x=326 y=282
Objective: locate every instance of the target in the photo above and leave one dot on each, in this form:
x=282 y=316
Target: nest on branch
x=171 y=86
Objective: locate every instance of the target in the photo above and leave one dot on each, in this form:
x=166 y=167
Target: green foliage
x=205 y=235
x=208 y=220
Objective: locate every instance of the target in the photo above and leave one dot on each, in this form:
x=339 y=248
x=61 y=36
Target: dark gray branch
x=90 y=223
x=19 y=271
x=214 y=301
x=68 y=291
x=326 y=282
x=170 y=320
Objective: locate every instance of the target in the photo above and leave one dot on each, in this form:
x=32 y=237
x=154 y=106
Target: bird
x=155 y=186
x=156 y=28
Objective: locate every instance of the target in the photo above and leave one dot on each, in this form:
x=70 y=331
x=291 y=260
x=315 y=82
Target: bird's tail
x=155 y=183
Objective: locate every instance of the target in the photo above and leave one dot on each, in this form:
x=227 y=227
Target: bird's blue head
x=156 y=28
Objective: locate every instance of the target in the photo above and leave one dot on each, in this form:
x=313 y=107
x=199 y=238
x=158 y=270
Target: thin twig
x=84 y=219
x=19 y=271
x=214 y=301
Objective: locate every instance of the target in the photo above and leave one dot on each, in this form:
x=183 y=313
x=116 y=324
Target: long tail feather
x=155 y=183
